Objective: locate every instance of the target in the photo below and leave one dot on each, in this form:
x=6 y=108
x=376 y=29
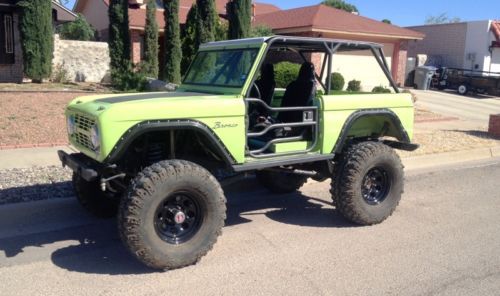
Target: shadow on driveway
x=95 y=247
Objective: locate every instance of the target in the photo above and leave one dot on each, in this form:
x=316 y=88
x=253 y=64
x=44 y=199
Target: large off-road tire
x=93 y=199
x=369 y=184
x=172 y=214
x=277 y=182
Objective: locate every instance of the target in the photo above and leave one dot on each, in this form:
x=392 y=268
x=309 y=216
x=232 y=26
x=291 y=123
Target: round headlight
x=94 y=137
x=70 y=124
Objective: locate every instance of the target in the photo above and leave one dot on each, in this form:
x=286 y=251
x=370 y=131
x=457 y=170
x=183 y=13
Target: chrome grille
x=84 y=122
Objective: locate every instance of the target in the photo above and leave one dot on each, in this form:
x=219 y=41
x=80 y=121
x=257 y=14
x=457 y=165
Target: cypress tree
x=150 y=64
x=190 y=40
x=208 y=20
x=119 y=42
x=239 y=15
x=38 y=43
x=173 y=54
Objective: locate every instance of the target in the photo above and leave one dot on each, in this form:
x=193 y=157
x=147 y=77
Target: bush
x=338 y=81
x=354 y=85
x=285 y=72
x=381 y=90
x=129 y=81
x=60 y=74
x=79 y=29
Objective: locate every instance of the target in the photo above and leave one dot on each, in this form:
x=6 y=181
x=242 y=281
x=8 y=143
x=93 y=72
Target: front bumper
x=77 y=163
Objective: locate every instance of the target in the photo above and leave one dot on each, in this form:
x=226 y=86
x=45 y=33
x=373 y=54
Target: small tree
x=387 y=21
x=37 y=40
x=208 y=20
x=341 y=4
x=173 y=54
x=239 y=15
x=261 y=31
x=119 y=43
x=149 y=66
x=79 y=29
x=190 y=39
x=441 y=19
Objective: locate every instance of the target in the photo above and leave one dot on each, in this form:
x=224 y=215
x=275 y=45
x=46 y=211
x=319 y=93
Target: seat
x=300 y=92
x=266 y=83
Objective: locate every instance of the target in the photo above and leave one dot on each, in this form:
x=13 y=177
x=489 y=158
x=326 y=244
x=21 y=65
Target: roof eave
x=340 y=32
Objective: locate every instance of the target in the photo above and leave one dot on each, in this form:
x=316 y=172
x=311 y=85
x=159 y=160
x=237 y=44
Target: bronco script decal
x=219 y=124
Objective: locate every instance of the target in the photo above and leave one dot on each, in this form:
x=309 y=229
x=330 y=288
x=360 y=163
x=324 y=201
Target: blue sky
x=407 y=13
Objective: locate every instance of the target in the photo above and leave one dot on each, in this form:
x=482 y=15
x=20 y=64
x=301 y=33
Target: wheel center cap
x=179 y=217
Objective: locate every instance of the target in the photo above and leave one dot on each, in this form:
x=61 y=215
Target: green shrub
x=338 y=81
x=354 y=85
x=381 y=90
x=129 y=81
x=285 y=72
x=79 y=29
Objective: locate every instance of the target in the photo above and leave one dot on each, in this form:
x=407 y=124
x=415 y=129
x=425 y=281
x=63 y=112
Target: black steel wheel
x=375 y=186
x=179 y=217
x=368 y=183
x=172 y=214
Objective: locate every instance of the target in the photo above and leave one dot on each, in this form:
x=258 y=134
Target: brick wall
x=14 y=72
x=494 y=126
x=135 y=39
x=403 y=57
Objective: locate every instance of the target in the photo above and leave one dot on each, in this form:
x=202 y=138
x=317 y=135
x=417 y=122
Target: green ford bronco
x=158 y=160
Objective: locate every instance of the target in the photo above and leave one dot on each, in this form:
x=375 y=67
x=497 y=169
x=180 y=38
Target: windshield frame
x=256 y=51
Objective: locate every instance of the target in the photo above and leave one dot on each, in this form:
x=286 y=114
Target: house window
x=6 y=38
x=9 y=34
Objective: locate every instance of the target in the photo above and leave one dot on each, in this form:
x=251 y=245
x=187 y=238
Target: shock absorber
x=155 y=153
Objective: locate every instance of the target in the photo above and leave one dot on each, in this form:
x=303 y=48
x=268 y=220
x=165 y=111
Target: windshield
x=226 y=68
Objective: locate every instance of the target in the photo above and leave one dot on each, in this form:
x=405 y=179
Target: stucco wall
x=362 y=66
x=444 y=44
x=14 y=72
x=96 y=13
x=85 y=61
x=477 y=54
x=495 y=60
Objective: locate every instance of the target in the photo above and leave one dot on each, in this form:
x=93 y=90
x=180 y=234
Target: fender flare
x=403 y=134
x=163 y=125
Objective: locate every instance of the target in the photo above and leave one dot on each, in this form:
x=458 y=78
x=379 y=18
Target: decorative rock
x=159 y=85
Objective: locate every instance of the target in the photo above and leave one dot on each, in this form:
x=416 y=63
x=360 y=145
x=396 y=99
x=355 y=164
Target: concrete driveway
x=474 y=110
x=442 y=240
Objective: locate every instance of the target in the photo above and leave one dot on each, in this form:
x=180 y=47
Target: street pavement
x=474 y=110
x=444 y=239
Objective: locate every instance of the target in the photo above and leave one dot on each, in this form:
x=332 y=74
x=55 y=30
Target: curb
x=39 y=145
x=450 y=158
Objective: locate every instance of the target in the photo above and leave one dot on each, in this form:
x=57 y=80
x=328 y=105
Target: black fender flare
x=403 y=134
x=163 y=125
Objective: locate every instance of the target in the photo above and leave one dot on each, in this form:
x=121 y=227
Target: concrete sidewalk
x=29 y=157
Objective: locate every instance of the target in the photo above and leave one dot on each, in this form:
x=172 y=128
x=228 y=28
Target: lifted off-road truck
x=157 y=159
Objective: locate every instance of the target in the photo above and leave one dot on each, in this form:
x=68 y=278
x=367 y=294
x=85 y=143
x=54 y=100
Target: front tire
x=463 y=89
x=172 y=214
x=93 y=199
x=370 y=183
x=280 y=183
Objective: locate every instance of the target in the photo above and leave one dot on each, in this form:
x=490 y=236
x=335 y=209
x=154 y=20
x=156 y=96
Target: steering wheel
x=256 y=87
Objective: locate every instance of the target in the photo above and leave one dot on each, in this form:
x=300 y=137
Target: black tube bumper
x=75 y=162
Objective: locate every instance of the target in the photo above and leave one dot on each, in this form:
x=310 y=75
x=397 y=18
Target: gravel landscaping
x=37 y=183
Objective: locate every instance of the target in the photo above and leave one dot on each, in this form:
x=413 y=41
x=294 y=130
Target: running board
x=269 y=163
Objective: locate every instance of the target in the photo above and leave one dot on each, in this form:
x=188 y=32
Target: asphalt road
x=473 y=108
x=444 y=239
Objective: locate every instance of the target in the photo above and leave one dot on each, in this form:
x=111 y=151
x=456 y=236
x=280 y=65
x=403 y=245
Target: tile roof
x=328 y=18
x=495 y=28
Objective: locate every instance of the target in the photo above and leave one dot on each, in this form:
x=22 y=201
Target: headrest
x=306 y=72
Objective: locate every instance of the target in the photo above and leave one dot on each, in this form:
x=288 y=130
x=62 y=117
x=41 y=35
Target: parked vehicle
x=158 y=159
x=465 y=81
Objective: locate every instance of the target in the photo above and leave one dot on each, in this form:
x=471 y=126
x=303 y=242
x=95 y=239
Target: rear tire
x=281 y=183
x=172 y=214
x=370 y=183
x=93 y=199
x=463 y=89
